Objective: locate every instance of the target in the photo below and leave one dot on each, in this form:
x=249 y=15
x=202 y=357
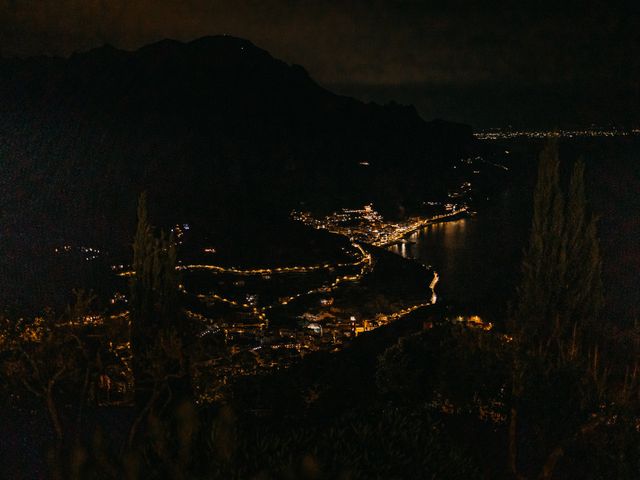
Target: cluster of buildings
x=367 y=226
x=243 y=341
x=502 y=134
x=83 y=252
x=251 y=349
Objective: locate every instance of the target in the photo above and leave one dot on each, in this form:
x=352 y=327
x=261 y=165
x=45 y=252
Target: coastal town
x=255 y=320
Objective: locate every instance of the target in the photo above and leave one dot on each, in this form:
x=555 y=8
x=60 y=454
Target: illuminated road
x=392 y=234
x=365 y=262
x=432 y=286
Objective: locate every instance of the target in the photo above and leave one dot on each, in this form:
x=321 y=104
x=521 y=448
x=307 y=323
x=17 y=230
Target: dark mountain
x=216 y=130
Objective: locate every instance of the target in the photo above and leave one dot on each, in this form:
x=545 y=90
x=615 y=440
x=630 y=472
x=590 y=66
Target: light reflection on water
x=447 y=239
x=477 y=257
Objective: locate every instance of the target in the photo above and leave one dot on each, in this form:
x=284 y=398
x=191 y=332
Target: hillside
x=221 y=135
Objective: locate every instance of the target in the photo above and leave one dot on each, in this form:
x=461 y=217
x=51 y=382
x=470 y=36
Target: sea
x=478 y=258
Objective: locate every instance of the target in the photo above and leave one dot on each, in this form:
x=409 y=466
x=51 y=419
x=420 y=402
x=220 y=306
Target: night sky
x=488 y=63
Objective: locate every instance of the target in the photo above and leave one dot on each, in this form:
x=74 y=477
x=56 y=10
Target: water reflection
x=476 y=257
x=445 y=239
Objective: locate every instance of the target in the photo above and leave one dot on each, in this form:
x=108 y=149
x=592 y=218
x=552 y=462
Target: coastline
x=422 y=224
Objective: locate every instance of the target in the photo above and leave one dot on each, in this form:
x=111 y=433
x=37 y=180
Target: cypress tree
x=558 y=302
x=154 y=302
x=544 y=263
x=561 y=286
x=585 y=297
x=143 y=257
x=154 y=285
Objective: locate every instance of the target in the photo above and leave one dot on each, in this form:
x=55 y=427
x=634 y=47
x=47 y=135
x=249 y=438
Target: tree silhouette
x=154 y=285
x=157 y=327
x=544 y=264
x=584 y=298
x=561 y=292
x=557 y=379
x=48 y=359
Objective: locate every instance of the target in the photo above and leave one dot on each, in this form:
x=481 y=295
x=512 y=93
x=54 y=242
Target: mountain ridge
x=217 y=131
